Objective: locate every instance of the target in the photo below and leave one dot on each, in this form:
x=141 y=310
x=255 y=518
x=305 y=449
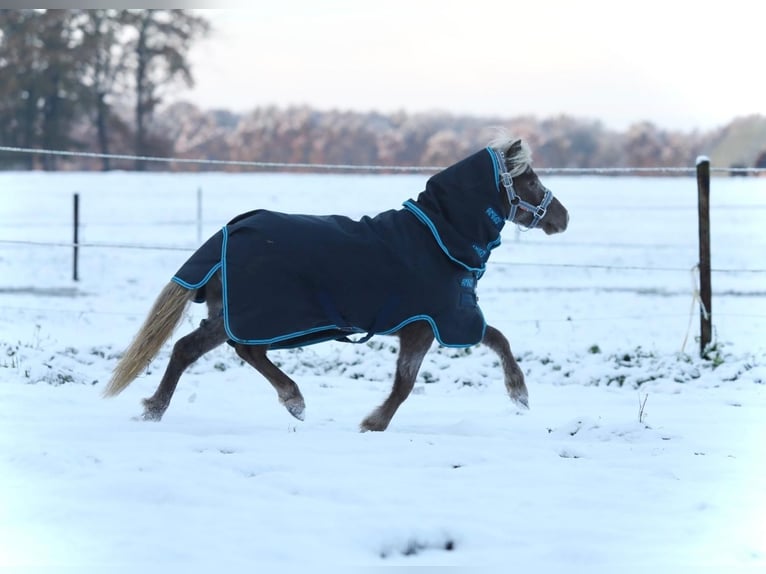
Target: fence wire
x=325 y=167
x=363 y=168
x=190 y=249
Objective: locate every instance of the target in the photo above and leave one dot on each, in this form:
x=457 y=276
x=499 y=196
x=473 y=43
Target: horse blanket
x=293 y=280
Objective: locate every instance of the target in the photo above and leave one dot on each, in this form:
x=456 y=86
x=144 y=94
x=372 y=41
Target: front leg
x=414 y=341
x=514 y=378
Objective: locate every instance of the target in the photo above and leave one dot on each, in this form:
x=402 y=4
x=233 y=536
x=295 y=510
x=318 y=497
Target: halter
x=517 y=203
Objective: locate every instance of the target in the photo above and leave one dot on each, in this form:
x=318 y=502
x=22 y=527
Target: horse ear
x=514 y=148
x=511 y=151
x=518 y=156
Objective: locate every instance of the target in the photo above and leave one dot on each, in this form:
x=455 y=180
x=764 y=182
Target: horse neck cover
x=292 y=280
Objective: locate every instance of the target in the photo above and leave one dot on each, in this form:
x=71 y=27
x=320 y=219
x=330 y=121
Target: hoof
x=373 y=423
x=151 y=411
x=520 y=399
x=151 y=416
x=296 y=407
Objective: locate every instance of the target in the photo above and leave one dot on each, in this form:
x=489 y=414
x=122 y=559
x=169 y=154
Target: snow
x=634 y=454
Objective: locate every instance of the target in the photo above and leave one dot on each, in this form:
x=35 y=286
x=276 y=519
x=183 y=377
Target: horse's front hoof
x=296 y=407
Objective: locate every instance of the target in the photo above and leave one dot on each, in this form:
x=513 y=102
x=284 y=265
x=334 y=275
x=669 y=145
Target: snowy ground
x=587 y=480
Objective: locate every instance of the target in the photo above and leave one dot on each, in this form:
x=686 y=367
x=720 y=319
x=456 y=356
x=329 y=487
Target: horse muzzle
x=556 y=219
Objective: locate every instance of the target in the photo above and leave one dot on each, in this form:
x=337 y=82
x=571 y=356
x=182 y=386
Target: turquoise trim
x=285 y=337
x=391 y=331
x=410 y=206
x=225 y=287
x=299 y=345
x=204 y=281
x=435 y=329
x=417 y=212
x=495 y=165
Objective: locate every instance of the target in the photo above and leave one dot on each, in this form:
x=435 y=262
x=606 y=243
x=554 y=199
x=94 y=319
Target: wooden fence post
x=706 y=296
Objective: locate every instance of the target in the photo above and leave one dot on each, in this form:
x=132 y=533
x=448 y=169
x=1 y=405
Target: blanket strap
x=332 y=312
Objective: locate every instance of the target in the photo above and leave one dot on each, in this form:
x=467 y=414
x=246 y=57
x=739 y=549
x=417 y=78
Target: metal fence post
x=76 y=246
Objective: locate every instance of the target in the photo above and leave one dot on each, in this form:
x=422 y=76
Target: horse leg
x=188 y=349
x=514 y=378
x=209 y=335
x=287 y=390
x=414 y=341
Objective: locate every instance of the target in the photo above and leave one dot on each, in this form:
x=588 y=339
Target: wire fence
x=189 y=249
x=324 y=167
x=317 y=167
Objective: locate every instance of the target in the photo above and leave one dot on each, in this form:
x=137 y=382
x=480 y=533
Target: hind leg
x=514 y=378
x=209 y=335
x=414 y=341
x=287 y=390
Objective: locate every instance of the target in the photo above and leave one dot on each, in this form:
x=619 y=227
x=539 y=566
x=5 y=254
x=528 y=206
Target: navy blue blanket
x=293 y=280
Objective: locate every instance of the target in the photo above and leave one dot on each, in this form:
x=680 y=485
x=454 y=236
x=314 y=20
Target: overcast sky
x=682 y=65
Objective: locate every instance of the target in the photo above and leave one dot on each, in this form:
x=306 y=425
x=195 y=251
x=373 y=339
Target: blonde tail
x=159 y=325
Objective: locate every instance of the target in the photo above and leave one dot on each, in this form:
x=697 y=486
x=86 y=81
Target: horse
x=274 y=280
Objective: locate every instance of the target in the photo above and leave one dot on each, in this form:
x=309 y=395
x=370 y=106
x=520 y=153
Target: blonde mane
x=520 y=160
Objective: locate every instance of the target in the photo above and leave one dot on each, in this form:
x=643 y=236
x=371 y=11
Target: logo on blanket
x=496 y=219
x=468 y=296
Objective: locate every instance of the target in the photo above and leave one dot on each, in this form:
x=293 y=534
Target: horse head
x=527 y=201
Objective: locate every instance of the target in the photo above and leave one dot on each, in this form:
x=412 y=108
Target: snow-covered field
x=634 y=455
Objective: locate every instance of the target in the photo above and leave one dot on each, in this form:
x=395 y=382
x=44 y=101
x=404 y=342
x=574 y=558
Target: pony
x=273 y=280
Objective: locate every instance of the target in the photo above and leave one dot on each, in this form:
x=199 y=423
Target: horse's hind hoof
x=151 y=412
x=374 y=423
x=296 y=407
x=151 y=416
x=521 y=399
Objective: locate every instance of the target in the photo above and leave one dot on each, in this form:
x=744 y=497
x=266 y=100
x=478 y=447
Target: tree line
x=99 y=80
x=63 y=72
x=301 y=134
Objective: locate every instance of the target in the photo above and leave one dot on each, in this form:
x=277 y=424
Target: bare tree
x=103 y=66
x=161 y=47
x=16 y=96
x=40 y=86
